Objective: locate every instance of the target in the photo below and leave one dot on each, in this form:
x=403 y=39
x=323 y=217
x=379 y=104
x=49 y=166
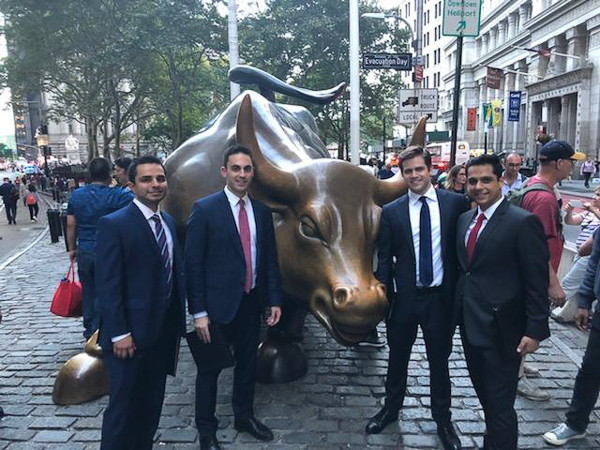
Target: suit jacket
x=395 y=240
x=590 y=286
x=509 y=273
x=131 y=279
x=214 y=258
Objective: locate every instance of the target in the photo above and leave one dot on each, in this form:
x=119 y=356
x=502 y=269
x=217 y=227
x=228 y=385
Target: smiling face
x=417 y=174
x=150 y=185
x=483 y=186
x=238 y=173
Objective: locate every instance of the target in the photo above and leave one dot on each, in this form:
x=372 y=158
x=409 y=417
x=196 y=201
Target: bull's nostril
x=341 y=296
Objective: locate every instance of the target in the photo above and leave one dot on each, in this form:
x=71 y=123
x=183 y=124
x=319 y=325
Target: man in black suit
x=141 y=295
x=419 y=230
x=501 y=296
x=231 y=268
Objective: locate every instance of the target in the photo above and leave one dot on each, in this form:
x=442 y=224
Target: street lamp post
x=354 y=85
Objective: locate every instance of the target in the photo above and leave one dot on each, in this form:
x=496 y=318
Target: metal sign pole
x=459 y=46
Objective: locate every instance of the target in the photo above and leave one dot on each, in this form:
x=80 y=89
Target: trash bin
x=54 y=224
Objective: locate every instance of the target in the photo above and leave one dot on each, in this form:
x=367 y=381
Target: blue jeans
x=86 y=269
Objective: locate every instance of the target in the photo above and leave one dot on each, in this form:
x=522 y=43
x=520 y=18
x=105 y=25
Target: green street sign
x=461 y=18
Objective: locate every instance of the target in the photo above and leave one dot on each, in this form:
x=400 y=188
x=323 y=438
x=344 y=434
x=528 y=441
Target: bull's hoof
x=82 y=378
x=280 y=360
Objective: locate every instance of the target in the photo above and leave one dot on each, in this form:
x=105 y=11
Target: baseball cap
x=557 y=149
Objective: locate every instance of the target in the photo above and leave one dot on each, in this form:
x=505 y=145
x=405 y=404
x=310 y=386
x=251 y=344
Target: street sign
x=415 y=103
x=461 y=18
x=494 y=77
x=396 y=61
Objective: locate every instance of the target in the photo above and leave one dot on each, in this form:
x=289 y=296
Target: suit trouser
x=587 y=385
x=243 y=334
x=430 y=313
x=495 y=380
x=137 y=391
x=86 y=269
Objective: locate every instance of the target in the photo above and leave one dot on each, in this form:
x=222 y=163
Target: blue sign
x=514 y=107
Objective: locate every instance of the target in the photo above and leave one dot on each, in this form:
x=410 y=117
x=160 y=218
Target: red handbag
x=67 y=298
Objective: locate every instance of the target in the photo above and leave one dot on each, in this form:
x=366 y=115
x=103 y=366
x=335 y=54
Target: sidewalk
x=328 y=409
x=576 y=187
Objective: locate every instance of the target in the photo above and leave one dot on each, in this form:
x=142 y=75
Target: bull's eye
x=309 y=230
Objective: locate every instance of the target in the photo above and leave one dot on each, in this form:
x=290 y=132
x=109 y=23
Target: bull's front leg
x=280 y=357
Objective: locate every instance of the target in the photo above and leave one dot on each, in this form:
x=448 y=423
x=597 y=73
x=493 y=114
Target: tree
x=307 y=44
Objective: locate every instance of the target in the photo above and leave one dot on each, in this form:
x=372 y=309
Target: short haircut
x=515 y=154
x=148 y=159
x=99 y=169
x=123 y=162
x=413 y=152
x=234 y=150
x=485 y=160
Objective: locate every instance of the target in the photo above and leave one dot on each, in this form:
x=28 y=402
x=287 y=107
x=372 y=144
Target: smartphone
x=576 y=203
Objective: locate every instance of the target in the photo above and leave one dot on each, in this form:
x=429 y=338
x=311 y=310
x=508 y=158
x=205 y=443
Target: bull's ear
x=273 y=186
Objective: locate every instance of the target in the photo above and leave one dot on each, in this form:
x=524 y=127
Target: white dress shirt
x=148 y=214
x=414 y=211
x=488 y=213
x=234 y=204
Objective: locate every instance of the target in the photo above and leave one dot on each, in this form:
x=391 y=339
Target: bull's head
x=327 y=220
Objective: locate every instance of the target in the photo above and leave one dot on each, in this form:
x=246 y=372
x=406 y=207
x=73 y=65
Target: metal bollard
x=54 y=224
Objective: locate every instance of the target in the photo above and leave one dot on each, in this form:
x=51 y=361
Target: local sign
x=461 y=18
x=415 y=103
x=397 y=61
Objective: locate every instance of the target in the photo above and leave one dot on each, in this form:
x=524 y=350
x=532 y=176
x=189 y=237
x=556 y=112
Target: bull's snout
x=366 y=299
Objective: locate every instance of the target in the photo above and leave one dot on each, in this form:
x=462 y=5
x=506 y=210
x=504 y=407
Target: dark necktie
x=246 y=245
x=161 y=238
x=472 y=241
x=425 y=250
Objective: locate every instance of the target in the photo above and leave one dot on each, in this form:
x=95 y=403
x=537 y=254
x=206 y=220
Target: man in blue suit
x=231 y=271
x=141 y=295
x=419 y=230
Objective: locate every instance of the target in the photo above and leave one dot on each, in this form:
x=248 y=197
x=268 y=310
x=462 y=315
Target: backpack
x=516 y=198
x=30 y=200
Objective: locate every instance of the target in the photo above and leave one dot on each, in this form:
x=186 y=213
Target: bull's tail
x=269 y=84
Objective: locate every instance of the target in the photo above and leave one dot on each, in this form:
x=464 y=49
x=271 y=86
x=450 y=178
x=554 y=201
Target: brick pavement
x=327 y=409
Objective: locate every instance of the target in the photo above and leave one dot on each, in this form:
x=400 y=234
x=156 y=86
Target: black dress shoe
x=448 y=436
x=252 y=426
x=209 y=443
x=381 y=420
x=1 y=412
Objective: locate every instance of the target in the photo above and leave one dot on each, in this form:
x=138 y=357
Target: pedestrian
x=21 y=188
x=588 y=220
x=501 y=294
x=86 y=205
x=587 y=382
x=557 y=159
x=31 y=201
x=216 y=260
x=43 y=181
x=417 y=231
x=512 y=179
x=6 y=191
x=588 y=168
x=385 y=172
x=13 y=200
x=141 y=299
x=456 y=180
x=120 y=171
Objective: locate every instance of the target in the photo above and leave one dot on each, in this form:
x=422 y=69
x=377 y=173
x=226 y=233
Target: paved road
x=327 y=409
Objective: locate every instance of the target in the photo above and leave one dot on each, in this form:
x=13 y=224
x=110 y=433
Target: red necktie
x=473 y=237
x=246 y=245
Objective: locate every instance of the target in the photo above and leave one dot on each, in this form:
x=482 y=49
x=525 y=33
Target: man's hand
x=275 y=316
x=527 y=345
x=568 y=208
x=201 y=326
x=556 y=294
x=72 y=256
x=125 y=348
x=581 y=318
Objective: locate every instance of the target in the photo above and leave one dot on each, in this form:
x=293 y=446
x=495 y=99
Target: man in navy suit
x=418 y=230
x=141 y=295
x=231 y=270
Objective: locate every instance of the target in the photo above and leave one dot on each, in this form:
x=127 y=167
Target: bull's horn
x=389 y=190
x=273 y=181
x=418 y=134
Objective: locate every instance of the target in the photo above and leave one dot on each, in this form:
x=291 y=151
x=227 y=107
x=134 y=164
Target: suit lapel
x=463 y=224
x=404 y=220
x=489 y=228
x=144 y=226
x=230 y=224
x=444 y=214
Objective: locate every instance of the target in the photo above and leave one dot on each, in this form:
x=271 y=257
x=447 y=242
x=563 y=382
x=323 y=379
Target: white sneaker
x=561 y=435
x=528 y=390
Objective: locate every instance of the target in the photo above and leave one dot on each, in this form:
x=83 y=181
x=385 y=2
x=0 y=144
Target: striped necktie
x=161 y=238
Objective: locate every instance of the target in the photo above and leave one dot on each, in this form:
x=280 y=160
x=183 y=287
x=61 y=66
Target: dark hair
x=123 y=162
x=148 y=159
x=234 y=150
x=486 y=160
x=31 y=188
x=413 y=152
x=99 y=169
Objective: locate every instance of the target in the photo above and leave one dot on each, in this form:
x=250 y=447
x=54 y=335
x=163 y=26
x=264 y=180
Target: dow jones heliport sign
x=461 y=17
